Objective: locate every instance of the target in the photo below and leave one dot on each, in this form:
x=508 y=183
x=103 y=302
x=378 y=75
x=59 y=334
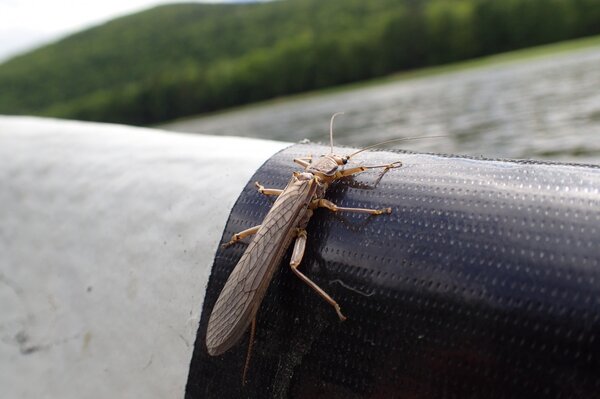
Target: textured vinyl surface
x=483 y=282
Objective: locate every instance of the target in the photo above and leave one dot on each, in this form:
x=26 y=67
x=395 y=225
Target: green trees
x=186 y=59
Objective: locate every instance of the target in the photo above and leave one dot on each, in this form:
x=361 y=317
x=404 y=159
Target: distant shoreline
x=530 y=53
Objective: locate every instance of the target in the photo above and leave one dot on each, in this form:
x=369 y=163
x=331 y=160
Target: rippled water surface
x=546 y=108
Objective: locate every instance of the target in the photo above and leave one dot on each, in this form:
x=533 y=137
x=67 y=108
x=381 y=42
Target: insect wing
x=240 y=298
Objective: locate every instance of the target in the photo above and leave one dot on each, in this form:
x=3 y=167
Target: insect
x=238 y=302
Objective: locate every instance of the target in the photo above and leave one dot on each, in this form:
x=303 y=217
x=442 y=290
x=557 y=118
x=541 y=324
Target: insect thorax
x=324 y=166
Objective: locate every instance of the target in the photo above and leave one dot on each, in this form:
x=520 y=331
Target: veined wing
x=245 y=288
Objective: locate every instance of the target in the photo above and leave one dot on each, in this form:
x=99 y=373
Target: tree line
x=181 y=60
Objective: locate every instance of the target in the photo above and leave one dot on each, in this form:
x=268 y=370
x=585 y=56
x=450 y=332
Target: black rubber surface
x=484 y=282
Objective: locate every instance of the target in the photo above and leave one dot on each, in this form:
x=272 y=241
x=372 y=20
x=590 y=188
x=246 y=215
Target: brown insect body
x=243 y=292
x=238 y=302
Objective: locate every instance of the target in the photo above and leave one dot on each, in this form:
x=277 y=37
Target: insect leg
x=267 y=191
x=297 y=255
x=249 y=353
x=362 y=168
x=241 y=235
x=304 y=162
x=323 y=203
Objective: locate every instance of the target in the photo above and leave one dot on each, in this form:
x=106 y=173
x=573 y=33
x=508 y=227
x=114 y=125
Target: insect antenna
x=391 y=141
x=331 y=129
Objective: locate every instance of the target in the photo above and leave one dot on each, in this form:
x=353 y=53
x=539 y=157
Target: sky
x=27 y=24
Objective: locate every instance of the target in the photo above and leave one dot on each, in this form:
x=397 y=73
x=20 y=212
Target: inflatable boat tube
x=482 y=282
x=107 y=238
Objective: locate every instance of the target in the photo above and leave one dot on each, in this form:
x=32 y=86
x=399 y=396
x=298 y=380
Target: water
x=545 y=108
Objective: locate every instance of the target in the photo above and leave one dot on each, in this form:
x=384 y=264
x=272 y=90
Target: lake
x=545 y=108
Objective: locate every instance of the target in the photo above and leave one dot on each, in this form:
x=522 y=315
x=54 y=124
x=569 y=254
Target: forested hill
x=186 y=59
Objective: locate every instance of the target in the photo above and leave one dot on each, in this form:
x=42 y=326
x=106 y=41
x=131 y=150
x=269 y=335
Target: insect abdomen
x=246 y=286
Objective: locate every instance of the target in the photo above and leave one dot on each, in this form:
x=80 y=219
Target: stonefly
x=240 y=299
